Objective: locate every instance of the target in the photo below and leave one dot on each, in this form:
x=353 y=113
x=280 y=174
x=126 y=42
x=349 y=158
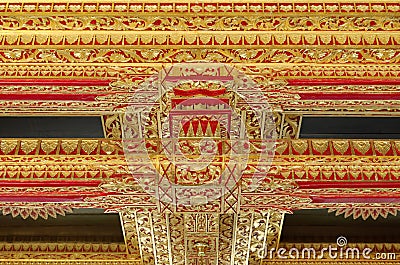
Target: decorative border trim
x=194 y=7
x=197 y=39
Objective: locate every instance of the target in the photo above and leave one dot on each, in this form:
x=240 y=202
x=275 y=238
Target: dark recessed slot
x=351 y=127
x=83 y=225
x=319 y=226
x=51 y=127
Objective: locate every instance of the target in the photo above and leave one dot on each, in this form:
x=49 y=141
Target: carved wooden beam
x=201 y=238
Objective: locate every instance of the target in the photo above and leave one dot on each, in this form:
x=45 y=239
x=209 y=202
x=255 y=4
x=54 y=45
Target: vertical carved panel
x=129 y=223
x=177 y=238
x=112 y=126
x=148 y=231
x=146 y=237
x=278 y=118
x=287 y=125
x=266 y=235
x=274 y=229
x=254 y=234
x=161 y=238
x=242 y=232
x=225 y=238
x=201 y=233
x=290 y=127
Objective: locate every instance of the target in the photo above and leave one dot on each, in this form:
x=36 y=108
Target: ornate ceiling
x=326 y=58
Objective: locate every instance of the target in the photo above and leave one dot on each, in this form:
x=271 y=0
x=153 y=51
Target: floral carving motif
x=365 y=213
x=36 y=211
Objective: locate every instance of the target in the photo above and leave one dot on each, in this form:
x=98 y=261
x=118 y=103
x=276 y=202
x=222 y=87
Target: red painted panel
x=345 y=184
x=341 y=81
x=50 y=97
x=54 y=82
x=355 y=199
x=16 y=183
x=350 y=96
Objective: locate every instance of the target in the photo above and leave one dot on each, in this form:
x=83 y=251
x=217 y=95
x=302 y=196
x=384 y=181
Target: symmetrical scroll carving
x=138 y=73
x=185 y=23
x=125 y=42
x=223 y=55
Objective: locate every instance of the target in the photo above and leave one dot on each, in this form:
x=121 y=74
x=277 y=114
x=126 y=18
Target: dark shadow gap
x=319 y=226
x=51 y=127
x=350 y=127
x=83 y=225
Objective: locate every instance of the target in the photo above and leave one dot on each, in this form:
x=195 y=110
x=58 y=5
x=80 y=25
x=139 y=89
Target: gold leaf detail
x=355 y=38
x=49 y=145
x=116 y=38
x=11 y=39
x=101 y=39
x=89 y=145
x=112 y=126
x=87 y=38
x=69 y=145
x=300 y=146
x=281 y=147
x=280 y=38
x=369 y=39
x=8 y=145
x=310 y=38
x=56 y=38
x=384 y=39
x=190 y=38
x=266 y=38
x=28 y=145
x=130 y=39
x=175 y=38
x=161 y=39
x=250 y=38
x=236 y=38
x=320 y=145
x=341 y=39
x=341 y=146
x=26 y=38
x=362 y=146
x=71 y=38
x=146 y=39
x=41 y=38
x=107 y=147
x=295 y=38
x=382 y=146
x=325 y=39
